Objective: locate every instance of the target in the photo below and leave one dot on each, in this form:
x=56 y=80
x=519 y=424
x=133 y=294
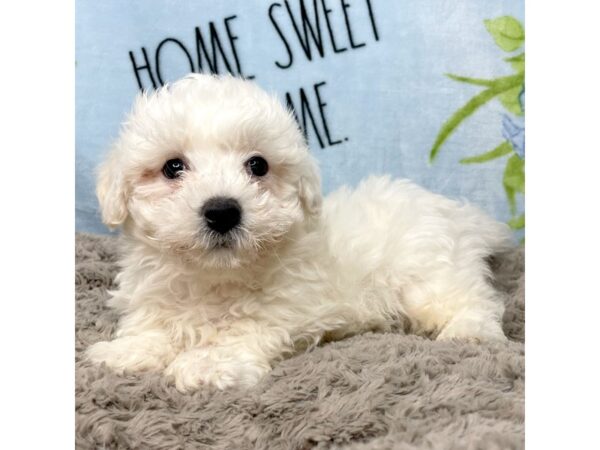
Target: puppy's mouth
x=222 y=245
x=220 y=242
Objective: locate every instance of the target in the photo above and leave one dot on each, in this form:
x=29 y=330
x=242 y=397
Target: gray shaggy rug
x=373 y=391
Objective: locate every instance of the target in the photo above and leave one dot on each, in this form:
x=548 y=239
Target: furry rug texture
x=373 y=391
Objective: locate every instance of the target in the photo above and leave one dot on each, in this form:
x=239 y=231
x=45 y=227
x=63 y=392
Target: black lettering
x=304 y=111
x=214 y=39
x=322 y=106
x=372 y=18
x=157 y=57
x=290 y=104
x=212 y=57
x=137 y=69
x=201 y=48
x=303 y=37
x=232 y=39
x=281 y=35
x=326 y=11
x=345 y=7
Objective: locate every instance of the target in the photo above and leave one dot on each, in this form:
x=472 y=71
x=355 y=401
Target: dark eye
x=257 y=166
x=173 y=168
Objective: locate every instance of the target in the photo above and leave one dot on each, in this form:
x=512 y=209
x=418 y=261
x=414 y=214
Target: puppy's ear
x=111 y=193
x=310 y=188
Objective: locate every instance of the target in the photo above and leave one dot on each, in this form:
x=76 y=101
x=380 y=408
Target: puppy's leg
x=480 y=320
x=459 y=306
x=147 y=351
x=234 y=359
x=467 y=325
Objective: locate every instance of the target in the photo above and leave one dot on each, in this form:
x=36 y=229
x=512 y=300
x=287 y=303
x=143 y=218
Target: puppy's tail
x=490 y=236
x=498 y=237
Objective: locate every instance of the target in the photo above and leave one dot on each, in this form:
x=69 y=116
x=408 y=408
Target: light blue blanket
x=369 y=77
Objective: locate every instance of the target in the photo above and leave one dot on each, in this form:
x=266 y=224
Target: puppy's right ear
x=310 y=187
x=111 y=192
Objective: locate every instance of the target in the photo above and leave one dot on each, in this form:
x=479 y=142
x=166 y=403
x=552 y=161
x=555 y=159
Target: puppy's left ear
x=111 y=193
x=310 y=188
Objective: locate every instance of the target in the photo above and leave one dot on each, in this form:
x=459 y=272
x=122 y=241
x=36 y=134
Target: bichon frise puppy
x=233 y=261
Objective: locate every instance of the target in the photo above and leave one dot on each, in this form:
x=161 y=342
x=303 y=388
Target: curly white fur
x=297 y=269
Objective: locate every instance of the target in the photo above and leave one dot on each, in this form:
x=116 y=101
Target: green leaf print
x=498 y=86
x=517 y=62
x=508 y=33
x=503 y=149
x=475 y=81
x=514 y=180
x=517 y=223
x=510 y=100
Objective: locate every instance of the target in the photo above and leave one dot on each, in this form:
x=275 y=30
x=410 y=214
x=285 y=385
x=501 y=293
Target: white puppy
x=232 y=261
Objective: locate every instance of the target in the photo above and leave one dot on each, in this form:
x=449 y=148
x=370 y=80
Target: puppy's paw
x=475 y=331
x=221 y=367
x=130 y=353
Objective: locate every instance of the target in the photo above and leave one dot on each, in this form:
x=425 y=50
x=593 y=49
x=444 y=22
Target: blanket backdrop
x=429 y=90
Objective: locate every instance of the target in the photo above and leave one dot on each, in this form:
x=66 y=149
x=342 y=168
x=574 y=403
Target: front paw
x=221 y=367
x=131 y=354
x=475 y=331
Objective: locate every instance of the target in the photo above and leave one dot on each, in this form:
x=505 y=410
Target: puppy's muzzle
x=222 y=214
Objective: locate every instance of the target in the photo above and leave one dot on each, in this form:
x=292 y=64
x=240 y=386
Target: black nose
x=222 y=214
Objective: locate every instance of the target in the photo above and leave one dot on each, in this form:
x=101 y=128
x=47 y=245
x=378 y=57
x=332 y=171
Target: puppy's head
x=211 y=168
